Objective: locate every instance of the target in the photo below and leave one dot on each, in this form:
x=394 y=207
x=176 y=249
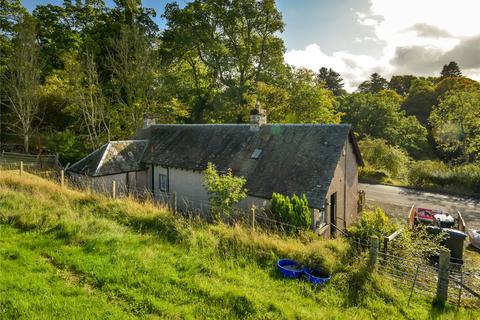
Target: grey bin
x=454 y=241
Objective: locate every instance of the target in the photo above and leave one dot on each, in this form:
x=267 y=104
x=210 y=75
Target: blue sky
x=358 y=37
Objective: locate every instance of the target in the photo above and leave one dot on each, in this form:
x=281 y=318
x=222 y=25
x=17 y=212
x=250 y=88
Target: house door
x=333 y=215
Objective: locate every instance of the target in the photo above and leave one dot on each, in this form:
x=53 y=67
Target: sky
x=359 y=37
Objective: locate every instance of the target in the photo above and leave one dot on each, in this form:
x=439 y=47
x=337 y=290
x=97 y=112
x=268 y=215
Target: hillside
x=66 y=254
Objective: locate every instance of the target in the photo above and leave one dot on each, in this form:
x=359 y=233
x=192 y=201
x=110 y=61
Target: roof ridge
x=88 y=155
x=97 y=169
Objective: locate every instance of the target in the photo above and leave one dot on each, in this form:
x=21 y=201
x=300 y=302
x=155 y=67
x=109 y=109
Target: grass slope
x=71 y=255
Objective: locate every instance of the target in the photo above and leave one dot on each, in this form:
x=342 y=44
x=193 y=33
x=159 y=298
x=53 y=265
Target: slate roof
x=294 y=158
x=112 y=158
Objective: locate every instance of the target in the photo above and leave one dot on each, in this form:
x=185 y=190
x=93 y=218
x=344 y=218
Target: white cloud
x=354 y=68
x=419 y=36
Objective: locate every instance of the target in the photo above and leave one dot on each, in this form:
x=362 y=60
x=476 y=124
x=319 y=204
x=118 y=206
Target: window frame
x=163 y=182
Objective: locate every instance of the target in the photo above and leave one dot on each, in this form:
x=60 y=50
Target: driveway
x=397 y=202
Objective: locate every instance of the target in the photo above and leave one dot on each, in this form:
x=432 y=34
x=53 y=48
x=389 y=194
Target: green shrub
x=292 y=210
x=372 y=223
x=224 y=190
x=379 y=156
x=368 y=173
x=437 y=174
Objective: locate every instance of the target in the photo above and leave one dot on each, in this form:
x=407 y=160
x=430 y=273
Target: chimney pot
x=148 y=120
x=258 y=117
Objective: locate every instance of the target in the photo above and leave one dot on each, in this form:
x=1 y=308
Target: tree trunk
x=25 y=143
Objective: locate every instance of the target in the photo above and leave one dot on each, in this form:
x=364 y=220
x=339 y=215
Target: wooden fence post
x=21 y=167
x=114 y=189
x=62 y=178
x=442 y=282
x=253 y=217
x=174 y=202
x=373 y=252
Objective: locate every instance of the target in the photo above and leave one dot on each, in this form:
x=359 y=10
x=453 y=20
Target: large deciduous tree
x=401 y=84
x=133 y=67
x=310 y=102
x=379 y=115
x=22 y=79
x=236 y=41
x=88 y=102
x=420 y=100
x=456 y=124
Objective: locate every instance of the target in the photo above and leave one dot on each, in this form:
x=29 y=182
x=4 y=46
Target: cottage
x=320 y=161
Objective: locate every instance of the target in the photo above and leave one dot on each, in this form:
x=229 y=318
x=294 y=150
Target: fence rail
x=40 y=161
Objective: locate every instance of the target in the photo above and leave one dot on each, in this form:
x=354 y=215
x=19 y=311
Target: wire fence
x=420 y=276
x=44 y=161
x=186 y=205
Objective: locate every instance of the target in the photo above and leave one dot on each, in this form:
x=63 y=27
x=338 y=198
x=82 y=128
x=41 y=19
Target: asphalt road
x=397 y=202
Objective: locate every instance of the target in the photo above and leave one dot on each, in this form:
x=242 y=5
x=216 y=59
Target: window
x=163 y=182
x=256 y=154
x=322 y=218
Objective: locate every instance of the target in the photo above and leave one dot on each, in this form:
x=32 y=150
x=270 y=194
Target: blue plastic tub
x=316 y=276
x=290 y=268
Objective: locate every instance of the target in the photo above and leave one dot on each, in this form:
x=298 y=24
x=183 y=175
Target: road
x=397 y=202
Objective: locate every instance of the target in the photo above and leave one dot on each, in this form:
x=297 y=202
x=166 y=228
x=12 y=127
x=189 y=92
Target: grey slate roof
x=295 y=159
x=112 y=158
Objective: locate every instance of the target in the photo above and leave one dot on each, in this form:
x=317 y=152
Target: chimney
x=147 y=120
x=258 y=117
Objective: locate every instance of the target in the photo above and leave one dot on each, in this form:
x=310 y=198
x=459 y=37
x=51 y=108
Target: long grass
x=71 y=255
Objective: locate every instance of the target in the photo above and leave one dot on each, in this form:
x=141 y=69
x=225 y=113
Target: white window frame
x=322 y=221
x=163 y=182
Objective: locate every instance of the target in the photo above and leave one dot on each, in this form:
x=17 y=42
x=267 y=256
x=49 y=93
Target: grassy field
x=71 y=255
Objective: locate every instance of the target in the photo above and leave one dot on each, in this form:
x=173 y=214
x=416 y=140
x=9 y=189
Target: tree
x=56 y=34
x=332 y=80
x=379 y=155
x=454 y=84
x=450 y=70
x=456 y=125
x=134 y=68
x=420 y=100
x=379 y=115
x=274 y=99
x=22 y=79
x=224 y=190
x=375 y=84
x=88 y=102
x=310 y=102
x=11 y=13
x=401 y=84
x=236 y=41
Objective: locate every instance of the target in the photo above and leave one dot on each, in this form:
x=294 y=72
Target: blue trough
x=316 y=276
x=290 y=268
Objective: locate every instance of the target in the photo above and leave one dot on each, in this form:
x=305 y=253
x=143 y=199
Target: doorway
x=333 y=215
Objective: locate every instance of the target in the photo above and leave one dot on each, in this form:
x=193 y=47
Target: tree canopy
x=451 y=70
x=332 y=80
x=78 y=74
x=375 y=84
